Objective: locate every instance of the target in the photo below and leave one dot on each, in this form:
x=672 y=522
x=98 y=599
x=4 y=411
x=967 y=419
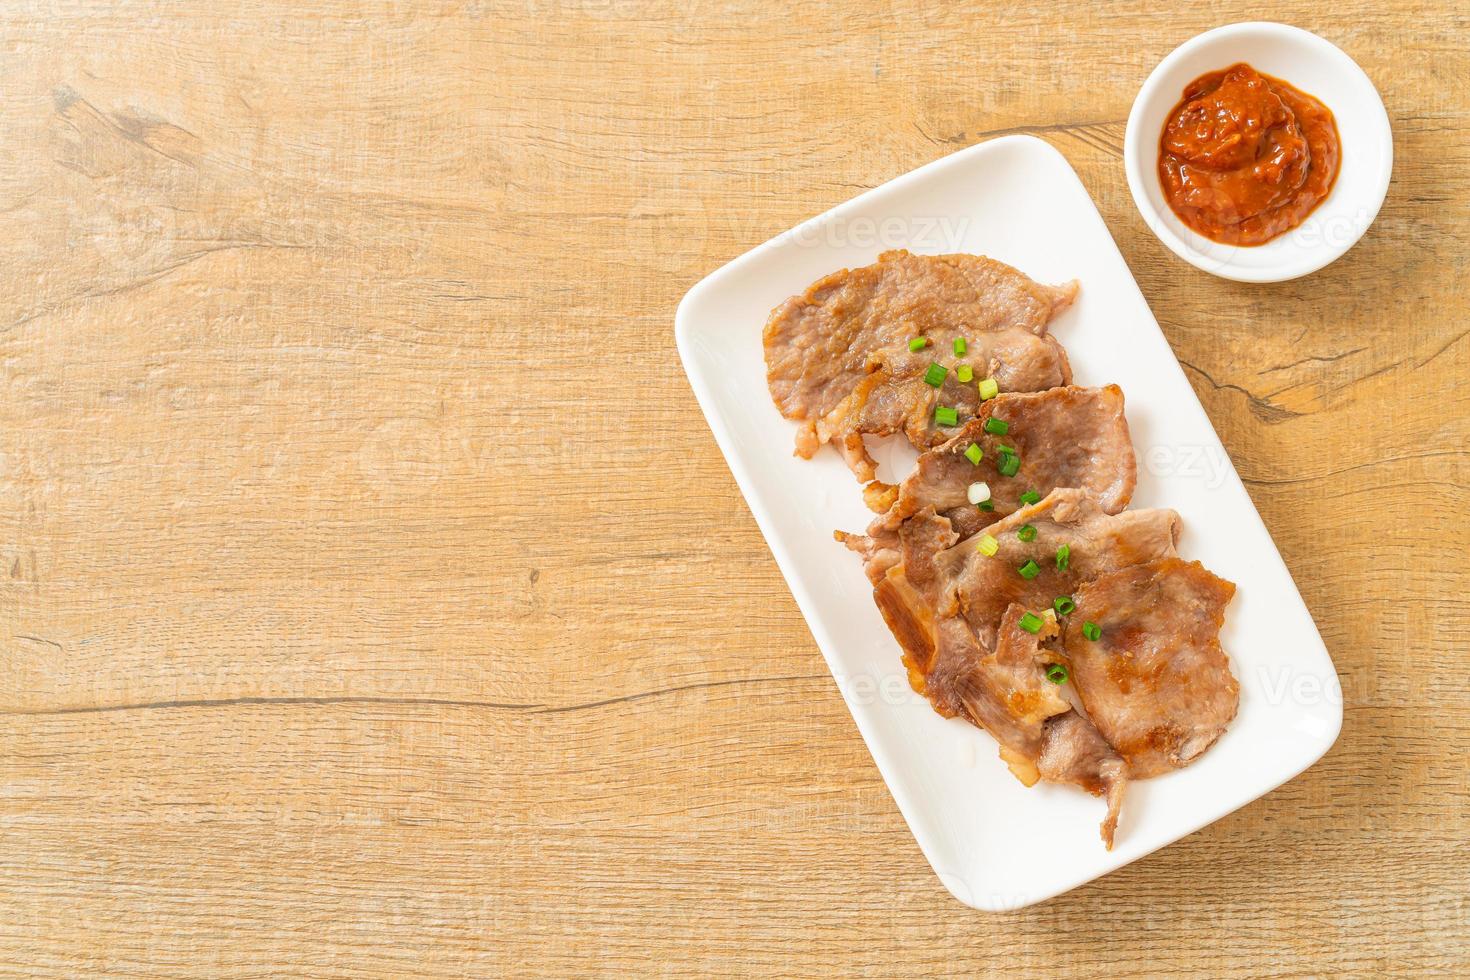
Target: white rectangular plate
x=994 y=843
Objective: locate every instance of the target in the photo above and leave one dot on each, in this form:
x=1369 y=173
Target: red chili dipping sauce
x=1245 y=157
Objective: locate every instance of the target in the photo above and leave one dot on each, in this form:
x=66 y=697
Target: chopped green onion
x=1030 y=623
x=945 y=415
x=1030 y=497
x=996 y=427
x=979 y=493
x=1026 y=532
x=1057 y=673
x=934 y=377
x=987 y=505
x=974 y=454
x=964 y=373
x=1029 y=570
x=918 y=344
x=1064 y=556
x=960 y=347
x=1091 y=631
x=987 y=546
x=1009 y=464
x=1003 y=448
x=988 y=389
x=1064 y=605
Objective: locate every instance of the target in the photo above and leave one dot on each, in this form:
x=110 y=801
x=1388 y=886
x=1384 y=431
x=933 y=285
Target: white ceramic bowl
x=1313 y=65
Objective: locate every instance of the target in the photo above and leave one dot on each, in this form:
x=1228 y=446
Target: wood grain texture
x=373 y=600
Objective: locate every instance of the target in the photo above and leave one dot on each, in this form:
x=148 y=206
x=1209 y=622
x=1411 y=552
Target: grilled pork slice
x=1076 y=753
x=1031 y=567
x=1006 y=693
x=956 y=613
x=838 y=356
x=1064 y=437
x=920 y=574
x=1155 y=682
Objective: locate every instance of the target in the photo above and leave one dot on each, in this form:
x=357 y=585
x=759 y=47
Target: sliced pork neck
x=957 y=613
x=1064 y=437
x=922 y=568
x=1008 y=554
x=1096 y=543
x=1155 y=682
x=1069 y=437
x=838 y=356
x=1006 y=692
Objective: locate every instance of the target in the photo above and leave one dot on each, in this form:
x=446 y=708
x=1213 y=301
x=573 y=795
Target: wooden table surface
x=375 y=600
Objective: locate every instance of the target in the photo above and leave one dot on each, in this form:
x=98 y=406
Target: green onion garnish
x=1030 y=623
x=996 y=427
x=964 y=373
x=1057 y=674
x=1030 y=497
x=1064 y=605
x=960 y=347
x=988 y=389
x=1091 y=631
x=1064 y=555
x=974 y=454
x=918 y=344
x=945 y=415
x=1009 y=464
x=934 y=377
x=1026 y=532
x=987 y=505
x=1029 y=570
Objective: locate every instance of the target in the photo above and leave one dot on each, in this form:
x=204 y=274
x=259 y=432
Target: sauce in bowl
x=1245 y=157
